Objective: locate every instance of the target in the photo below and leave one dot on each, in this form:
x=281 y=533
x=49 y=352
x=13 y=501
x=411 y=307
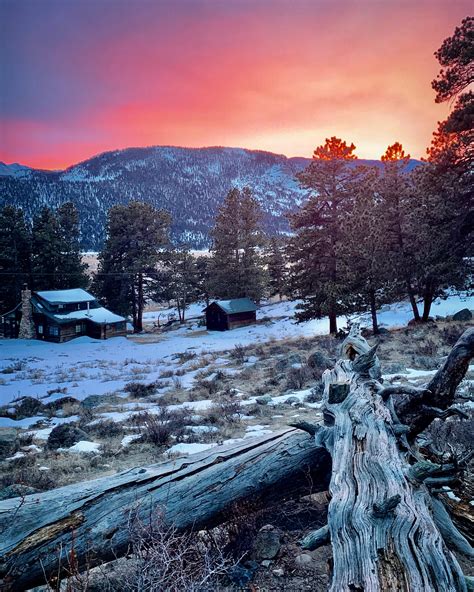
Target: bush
x=65 y=436
x=239 y=353
x=27 y=407
x=298 y=377
x=138 y=390
x=157 y=428
x=106 y=428
x=227 y=407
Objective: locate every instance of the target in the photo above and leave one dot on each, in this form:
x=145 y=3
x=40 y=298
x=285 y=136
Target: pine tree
x=136 y=235
x=435 y=224
x=47 y=247
x=277 y=267
x=236 y=268
x=366 y=268
x=15 y=254
x=317 y=269
x=72 y=271
x=394 y=194
x=179 y=281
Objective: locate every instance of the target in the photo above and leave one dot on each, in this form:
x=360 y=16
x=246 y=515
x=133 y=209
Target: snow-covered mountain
x=14 y=170
x=188 y=182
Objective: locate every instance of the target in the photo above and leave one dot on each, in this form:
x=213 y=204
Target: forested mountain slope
x=188 y=182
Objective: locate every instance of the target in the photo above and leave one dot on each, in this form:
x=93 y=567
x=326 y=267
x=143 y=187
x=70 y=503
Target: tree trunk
x=427 y=302
x=91 y=519
x=140 y=305
x=332 y=321
x=381 y=528
x=373 y=312
x=414 y=306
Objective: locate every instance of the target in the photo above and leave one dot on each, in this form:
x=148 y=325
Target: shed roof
x=236 y=305
x=66 y=296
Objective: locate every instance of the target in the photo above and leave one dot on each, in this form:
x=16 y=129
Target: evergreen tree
x=363 y=252
x=15 y=253
x=136 y=235
x=317 y=270
x=395 y=197
x=435 y=242
x=73 y=271
x=179 y=281
x=47 y=247
x=236 y=268
x=277 y=268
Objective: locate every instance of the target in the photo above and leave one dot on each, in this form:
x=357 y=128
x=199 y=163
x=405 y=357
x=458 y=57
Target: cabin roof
x=235 y=305
x=66 y=296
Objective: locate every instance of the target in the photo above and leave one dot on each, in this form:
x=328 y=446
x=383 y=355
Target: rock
x=279 y=572
x=16 y=490
x=97 y=400
x=304 y=560
x=287 y=361
x=242 y=574
x=394 y=368
x=292 y=401
x=267 y=543
x=319 y=361
x=266 y=563
x=383 y=331
x=8 y=438
x=65 y=436
x=263 y=400
x=463 y=315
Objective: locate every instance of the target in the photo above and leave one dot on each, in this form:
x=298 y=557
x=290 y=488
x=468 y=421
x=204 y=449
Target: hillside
x=188 y=182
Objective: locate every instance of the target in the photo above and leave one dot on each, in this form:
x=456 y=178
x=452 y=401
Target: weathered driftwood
x=90 y=519
x=386 y=530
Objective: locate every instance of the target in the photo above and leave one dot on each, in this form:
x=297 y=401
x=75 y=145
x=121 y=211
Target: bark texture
x=89 y=521
x=381 y=520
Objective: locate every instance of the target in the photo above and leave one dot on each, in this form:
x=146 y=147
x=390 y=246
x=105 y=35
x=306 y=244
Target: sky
x=79 y=77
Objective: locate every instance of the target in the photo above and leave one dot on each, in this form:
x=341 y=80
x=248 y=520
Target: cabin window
x=54 y=331
x=40 y=329
x=60 y=306
x=78 y=328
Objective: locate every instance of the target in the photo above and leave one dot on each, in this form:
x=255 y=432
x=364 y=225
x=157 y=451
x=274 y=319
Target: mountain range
x=190 y=183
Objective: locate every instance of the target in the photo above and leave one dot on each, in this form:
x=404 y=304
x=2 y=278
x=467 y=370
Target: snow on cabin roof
x=236 y=305
x=96 y=315
x=66 y=296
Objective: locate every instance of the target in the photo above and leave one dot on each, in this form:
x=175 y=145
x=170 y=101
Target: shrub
x=239 y=353
x=138 y=390
x=106 y=428
x=227 y=407
x=65 y=436
x=157 y=428
x=298 y=377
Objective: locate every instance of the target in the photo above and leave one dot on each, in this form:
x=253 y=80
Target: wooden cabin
x=62 y=315
x=222 y=315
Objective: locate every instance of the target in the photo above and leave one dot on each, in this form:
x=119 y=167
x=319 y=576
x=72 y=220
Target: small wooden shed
x=222 y=315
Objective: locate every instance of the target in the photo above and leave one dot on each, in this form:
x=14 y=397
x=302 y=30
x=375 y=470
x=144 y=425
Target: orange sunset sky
x=79 y=77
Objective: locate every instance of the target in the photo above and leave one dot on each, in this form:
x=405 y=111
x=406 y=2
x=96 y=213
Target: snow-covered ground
x=86 y=366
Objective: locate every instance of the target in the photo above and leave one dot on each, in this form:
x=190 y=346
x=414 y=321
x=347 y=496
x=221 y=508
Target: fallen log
x=90 y=520
x=386 y=531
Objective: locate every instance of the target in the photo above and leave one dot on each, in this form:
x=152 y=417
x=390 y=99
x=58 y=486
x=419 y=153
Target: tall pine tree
x=15 y=253
x=136 y=236
x=236 y=269
x=47 y=251
x=318 y=272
